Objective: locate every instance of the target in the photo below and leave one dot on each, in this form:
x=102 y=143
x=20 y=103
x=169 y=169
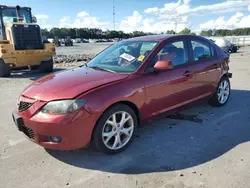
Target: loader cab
x=11 y=14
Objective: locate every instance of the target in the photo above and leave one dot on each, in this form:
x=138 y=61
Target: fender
x=100 y=99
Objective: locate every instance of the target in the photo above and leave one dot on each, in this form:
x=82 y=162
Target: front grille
x=27 y=37
x=28 y=132
x=22 y=106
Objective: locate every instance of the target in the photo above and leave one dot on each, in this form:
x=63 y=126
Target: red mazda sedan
x=134 y=80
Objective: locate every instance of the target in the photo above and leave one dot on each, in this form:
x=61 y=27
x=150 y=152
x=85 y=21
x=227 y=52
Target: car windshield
x=124 y=56
x=10 y=15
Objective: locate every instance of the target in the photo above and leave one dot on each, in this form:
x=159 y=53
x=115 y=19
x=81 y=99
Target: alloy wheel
x=223 y=92
x=118 y=130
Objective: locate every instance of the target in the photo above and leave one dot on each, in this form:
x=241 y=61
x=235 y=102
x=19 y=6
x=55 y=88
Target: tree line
x=226 y=32
x=95 y=33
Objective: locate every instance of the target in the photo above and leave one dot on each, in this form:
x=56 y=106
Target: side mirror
x=163 y=65
x=34 y=20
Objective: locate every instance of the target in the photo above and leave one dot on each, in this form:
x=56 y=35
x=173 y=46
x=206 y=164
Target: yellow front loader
x=21 y=43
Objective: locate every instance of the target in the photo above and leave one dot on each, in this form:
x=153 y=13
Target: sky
x=143 y=15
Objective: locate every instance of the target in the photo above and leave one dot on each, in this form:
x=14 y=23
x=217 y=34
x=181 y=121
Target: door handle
x=187 y=73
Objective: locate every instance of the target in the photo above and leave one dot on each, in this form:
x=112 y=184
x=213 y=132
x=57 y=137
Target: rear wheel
x=4 y=69
x=46 y=66
x=222 y=93
x=115 y=129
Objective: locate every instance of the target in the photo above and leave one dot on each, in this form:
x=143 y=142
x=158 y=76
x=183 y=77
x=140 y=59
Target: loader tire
x=46 y=66
x=4 y=69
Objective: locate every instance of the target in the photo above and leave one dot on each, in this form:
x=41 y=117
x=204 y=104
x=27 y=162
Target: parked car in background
x=78 y=40
x=100 y=40
x=135 y=80
x=45 y=39
x=68 y=41
x=226 y=45
x=233 y=48
x=84 y=40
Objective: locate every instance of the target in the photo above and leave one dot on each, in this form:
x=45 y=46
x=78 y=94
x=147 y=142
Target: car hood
x=70 y=83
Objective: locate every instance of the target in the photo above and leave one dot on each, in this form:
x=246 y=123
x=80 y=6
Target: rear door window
x=174 y=52
x=201 y=50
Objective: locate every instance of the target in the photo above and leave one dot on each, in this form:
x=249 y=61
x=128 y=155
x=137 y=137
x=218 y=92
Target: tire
x=216 y=100
x=34 y=67
x=4 y=69
x=234 y=49
x=130 y=128
x=46 y=66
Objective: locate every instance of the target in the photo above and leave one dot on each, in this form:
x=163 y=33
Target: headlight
x=63 y=106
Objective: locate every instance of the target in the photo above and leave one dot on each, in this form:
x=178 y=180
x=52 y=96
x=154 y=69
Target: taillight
x=53 y=49
x=3 y=51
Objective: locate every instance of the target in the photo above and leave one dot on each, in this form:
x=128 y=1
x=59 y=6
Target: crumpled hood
x=70 y=83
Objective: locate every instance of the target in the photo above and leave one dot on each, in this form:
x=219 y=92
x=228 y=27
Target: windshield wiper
x=85 y=64
x=101 y=68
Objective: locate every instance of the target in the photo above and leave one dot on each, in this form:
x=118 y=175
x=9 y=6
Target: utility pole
x=114 y=13
x=77 y=33
x=175 y=26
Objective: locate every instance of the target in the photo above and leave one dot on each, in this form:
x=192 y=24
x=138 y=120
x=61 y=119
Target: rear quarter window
x=202 y=50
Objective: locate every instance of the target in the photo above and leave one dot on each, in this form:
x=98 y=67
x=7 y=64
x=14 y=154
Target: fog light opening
x=56 y=139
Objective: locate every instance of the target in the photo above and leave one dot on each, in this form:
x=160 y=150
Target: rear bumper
x=75 y=129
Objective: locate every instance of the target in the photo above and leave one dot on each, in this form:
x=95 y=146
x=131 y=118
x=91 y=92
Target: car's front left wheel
x=115 y=129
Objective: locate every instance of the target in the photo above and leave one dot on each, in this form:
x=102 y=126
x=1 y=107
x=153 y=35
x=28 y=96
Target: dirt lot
x=85 y=48
x=209 y=151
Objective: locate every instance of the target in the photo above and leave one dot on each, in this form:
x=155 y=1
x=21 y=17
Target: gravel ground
x=208 y=151
x=78 y=52
x=82 y=48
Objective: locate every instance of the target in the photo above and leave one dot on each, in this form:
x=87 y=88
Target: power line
x=177 y=16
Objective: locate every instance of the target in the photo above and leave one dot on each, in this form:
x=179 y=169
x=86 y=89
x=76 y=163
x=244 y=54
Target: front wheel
x=4 y=69
x=222 y=93
x=115 y=129
x=46 y=66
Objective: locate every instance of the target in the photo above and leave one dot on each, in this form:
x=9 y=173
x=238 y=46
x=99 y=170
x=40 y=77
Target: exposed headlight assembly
x=63 y=106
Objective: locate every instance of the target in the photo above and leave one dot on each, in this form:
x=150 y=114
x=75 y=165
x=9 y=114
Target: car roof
x=159 y=37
